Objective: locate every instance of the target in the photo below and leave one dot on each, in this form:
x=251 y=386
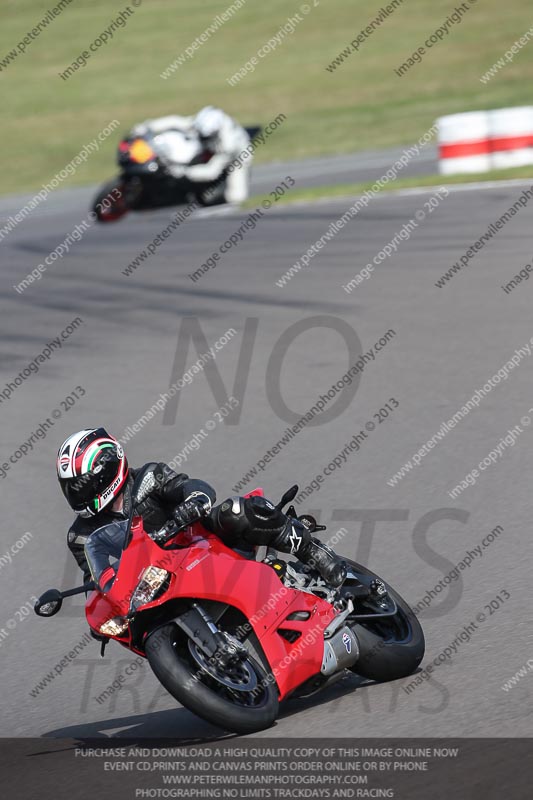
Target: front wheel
x=390 y=647
x=242 y=698
x=110 y=205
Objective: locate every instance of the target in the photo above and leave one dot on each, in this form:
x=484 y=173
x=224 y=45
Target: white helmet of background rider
x=208 y=124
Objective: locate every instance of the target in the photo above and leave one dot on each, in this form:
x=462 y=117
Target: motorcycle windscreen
x=104 y=544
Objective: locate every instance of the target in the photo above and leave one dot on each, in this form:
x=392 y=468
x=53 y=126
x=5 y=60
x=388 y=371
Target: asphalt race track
x=447 y=342
x=330 y=170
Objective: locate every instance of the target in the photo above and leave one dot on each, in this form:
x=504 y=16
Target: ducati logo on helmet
x=110 y=491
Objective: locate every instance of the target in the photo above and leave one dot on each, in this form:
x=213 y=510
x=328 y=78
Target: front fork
x=198 y=625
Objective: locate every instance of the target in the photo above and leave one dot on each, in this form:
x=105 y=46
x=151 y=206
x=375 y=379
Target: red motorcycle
x=231 y=636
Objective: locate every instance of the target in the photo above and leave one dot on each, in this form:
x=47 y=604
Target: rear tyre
x=392 y=648
x=213 y=194
x=242 y=700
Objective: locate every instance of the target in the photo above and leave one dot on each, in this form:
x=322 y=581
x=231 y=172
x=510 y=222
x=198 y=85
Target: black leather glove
x=192 y=509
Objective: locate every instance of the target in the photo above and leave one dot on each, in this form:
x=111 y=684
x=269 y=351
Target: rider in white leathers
x=220 y=134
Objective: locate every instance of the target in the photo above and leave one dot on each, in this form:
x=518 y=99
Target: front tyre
x=110 y=204
x=242 y=698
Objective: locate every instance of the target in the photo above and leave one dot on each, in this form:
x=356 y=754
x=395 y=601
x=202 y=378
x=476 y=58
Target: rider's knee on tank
x=253 y=520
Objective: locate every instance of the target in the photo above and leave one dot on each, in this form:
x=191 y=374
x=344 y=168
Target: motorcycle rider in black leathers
x=99 y=486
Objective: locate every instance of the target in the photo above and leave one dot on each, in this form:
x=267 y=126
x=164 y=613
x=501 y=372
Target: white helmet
x=208 y=122
x=92 y=470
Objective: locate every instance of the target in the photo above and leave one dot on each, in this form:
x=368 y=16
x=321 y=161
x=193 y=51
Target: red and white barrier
x=511 y=131
x=464 y=143
x=479 y=141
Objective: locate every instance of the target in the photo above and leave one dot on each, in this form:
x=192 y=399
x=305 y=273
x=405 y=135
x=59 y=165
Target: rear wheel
x=241 y=697
x=213 y=194
x=391 y=647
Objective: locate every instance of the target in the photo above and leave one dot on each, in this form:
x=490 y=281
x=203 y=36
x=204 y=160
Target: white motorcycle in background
x=146 y=180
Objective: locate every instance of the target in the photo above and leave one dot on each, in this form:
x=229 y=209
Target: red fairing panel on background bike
x=205 y=569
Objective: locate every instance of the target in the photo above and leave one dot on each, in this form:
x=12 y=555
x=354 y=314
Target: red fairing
x=204 y=568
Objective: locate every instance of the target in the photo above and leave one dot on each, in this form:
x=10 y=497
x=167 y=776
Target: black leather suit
x=155 y=491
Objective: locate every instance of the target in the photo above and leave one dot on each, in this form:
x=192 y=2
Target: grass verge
x=360 y=104
x=354 y=189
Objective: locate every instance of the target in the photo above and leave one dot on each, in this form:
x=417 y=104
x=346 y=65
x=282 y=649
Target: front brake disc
x=239 y=676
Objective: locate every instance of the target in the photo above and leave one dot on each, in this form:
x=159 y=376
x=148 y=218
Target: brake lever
x=306 y=519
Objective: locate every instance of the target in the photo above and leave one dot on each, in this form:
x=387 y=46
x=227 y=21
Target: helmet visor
x=79 y=492
x=83 y=490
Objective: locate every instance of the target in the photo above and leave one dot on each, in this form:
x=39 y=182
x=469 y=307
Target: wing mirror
x=49 y=603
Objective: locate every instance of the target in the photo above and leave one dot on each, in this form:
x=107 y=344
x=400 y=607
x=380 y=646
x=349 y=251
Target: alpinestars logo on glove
x=295 y=541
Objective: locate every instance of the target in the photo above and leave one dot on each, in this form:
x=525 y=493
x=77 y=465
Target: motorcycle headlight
x=114 y=627
x=151 y=582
